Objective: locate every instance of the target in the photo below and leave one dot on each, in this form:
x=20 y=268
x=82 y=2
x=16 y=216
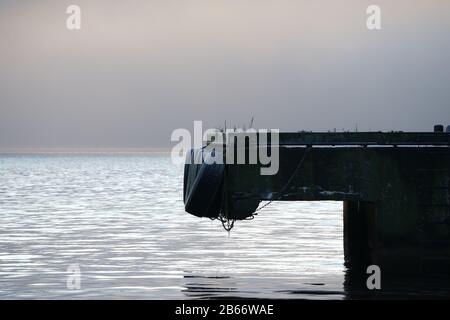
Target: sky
x=139 y=69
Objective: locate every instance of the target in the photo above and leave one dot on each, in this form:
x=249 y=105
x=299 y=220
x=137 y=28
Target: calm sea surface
x=120 y=220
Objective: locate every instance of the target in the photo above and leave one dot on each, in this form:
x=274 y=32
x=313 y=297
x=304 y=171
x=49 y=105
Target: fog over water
x=139 y=69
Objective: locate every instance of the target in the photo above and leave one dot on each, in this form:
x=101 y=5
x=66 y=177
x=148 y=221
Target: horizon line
x=77 y=150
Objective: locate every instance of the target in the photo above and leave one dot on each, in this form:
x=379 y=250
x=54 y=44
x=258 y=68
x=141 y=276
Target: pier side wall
x=395 y=199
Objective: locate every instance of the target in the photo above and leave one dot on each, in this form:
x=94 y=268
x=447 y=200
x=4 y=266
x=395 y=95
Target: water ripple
x=121 y=220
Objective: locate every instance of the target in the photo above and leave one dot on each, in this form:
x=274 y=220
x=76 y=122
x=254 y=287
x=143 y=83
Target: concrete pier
x=395 y=189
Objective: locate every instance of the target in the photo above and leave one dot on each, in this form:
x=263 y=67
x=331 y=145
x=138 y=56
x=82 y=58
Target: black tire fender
x=202 y=186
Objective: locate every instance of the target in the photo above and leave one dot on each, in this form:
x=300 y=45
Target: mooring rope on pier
x=294 y=173
x=228 y=224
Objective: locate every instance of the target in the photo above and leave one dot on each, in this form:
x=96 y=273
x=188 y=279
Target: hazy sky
x=139 y=69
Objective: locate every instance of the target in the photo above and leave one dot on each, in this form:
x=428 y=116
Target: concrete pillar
x=359 y=234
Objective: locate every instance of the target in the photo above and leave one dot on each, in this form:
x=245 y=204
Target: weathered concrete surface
x=396 y=199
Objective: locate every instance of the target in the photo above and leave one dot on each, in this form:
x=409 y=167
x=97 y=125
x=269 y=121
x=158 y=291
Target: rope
x=228 y=224
x=294 y=173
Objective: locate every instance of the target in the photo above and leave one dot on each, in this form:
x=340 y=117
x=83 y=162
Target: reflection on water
x=121 y=220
